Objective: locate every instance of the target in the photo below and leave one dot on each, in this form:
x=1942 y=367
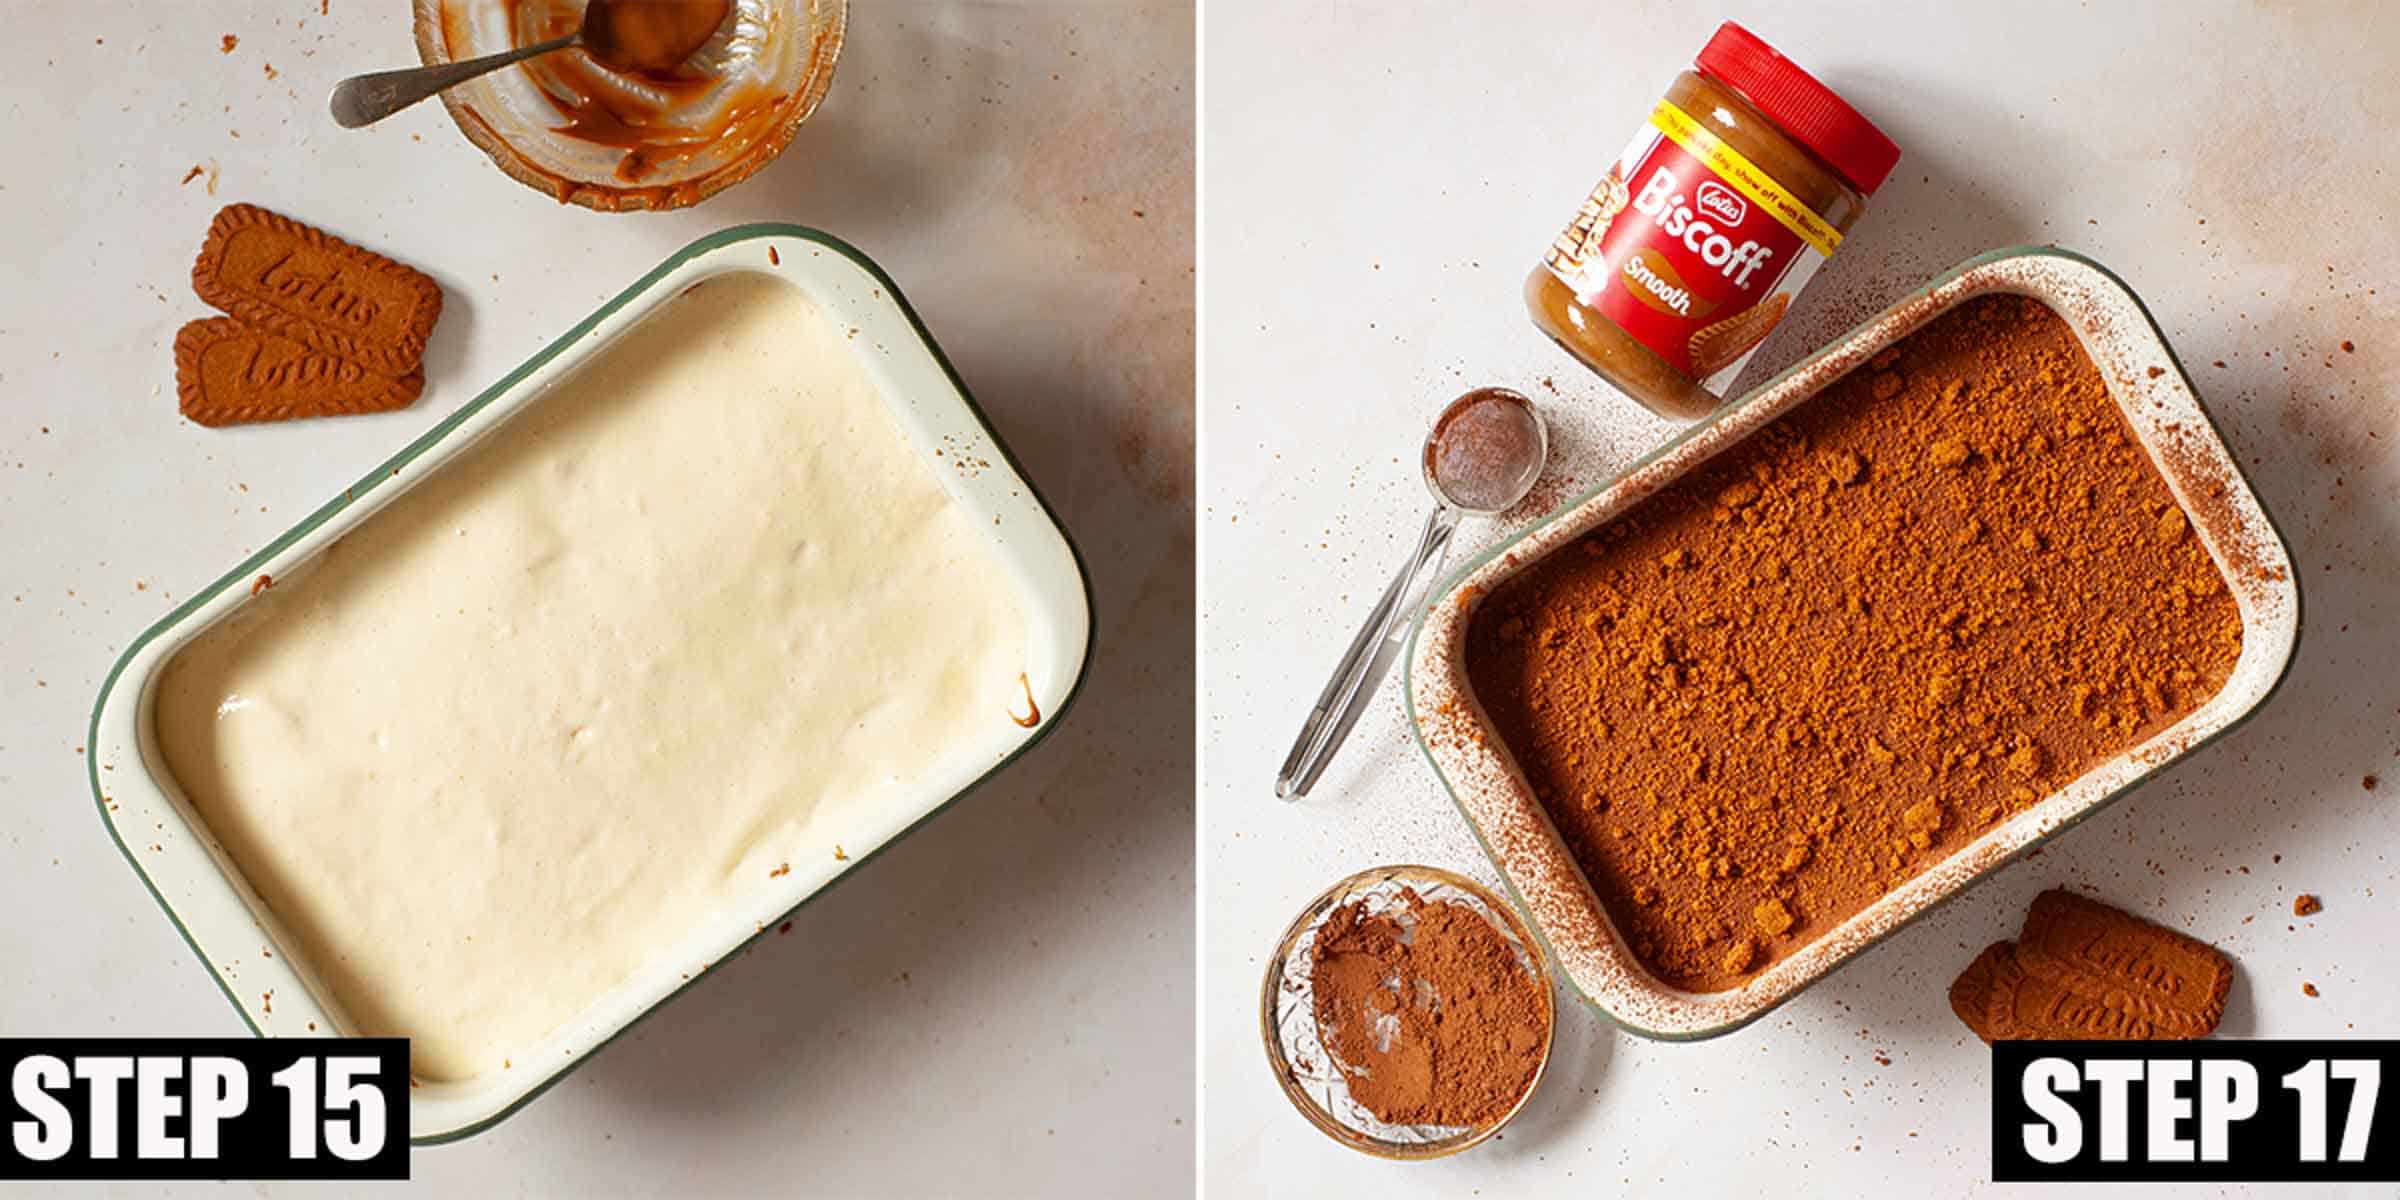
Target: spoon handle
x=1363 y=665
x=366 y=99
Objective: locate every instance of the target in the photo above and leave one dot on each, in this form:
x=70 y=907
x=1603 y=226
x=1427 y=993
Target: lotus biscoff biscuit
x=2082 y=970
x=319 y=327
x=1971 y=995
x=2177 y=982
x=2027 y=1005
x=227 y=373
x=284 y=277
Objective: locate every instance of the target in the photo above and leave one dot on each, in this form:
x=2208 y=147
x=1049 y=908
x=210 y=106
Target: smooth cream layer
x=558 y=706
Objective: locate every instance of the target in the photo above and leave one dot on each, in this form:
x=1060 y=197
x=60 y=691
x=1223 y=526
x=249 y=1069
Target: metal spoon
x=1485 y=452
x=628 y=35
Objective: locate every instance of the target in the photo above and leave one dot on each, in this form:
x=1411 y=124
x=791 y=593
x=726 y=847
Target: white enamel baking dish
x=2149 y=387
x=237 y=938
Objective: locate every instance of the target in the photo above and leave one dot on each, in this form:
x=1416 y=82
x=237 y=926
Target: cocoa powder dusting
x=1427 y=1011
x=1482 y=447
x=1834 y=655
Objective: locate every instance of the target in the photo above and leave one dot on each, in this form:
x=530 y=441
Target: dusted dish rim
x=2150 y=389
x=193 y=875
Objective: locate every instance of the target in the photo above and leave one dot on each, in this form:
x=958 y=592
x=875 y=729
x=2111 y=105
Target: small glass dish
x=1306 y=1068
x=761 y=75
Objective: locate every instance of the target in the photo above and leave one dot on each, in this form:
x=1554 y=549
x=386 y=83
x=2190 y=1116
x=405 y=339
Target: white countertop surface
x=1001 y=1005
x=1381 y=177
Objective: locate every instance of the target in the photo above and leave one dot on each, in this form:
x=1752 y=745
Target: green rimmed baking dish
x=221 y=917
x=2156 y=398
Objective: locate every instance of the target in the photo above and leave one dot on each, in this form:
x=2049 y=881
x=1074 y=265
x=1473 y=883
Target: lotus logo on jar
x=1721 y=202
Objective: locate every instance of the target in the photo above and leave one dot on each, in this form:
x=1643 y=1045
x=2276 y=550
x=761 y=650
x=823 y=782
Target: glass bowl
x=557 y=123
x=1306 y=1069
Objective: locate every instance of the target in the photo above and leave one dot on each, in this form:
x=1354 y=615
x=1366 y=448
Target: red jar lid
x=1807 y=110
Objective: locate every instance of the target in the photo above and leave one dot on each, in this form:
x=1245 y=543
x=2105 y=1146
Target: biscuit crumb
x=2306 y=904
x=2026 y=760
x=226 y=46
x=1738 y=959
x=2309 y=990
x=2171 y=525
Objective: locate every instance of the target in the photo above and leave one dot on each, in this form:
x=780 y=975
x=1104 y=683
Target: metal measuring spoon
x=1485 y=452
x=625 y=35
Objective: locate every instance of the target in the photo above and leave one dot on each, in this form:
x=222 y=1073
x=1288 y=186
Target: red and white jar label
x=1690 y=248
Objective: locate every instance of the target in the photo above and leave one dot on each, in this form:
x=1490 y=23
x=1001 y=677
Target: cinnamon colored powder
x=1846 y=647
x=1427 y=1010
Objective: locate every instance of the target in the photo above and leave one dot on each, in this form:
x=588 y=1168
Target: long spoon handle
x=1362 y=666
x=366 y=99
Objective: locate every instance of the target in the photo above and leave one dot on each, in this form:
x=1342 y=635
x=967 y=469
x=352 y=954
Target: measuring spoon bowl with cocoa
x=1486 y=451
x=635 y=36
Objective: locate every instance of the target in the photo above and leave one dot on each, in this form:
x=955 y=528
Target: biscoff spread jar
x=1689 y=252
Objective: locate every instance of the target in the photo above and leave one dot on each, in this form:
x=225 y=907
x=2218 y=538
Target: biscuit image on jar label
x=1718 y=346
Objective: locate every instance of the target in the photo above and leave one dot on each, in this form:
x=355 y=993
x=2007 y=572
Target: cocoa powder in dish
x=1839 y=652
x=1427 y=1011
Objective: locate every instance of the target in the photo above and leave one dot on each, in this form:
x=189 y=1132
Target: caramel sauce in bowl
x=617 y=141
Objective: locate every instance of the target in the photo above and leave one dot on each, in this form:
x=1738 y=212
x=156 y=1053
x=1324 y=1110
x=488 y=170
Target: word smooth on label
x=2217 y=1111
x=204 y=1108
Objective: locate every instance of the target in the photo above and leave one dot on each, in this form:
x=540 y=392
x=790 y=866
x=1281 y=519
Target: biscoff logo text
x=1667 y=209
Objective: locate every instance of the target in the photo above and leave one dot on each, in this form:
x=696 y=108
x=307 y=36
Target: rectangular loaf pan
x=2157 y=400
x=222 y=919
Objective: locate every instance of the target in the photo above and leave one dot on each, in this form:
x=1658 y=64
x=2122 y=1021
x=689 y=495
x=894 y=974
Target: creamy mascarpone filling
x=592 y=682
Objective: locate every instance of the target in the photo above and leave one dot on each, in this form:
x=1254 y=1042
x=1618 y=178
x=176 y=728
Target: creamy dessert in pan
x=598 y=678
